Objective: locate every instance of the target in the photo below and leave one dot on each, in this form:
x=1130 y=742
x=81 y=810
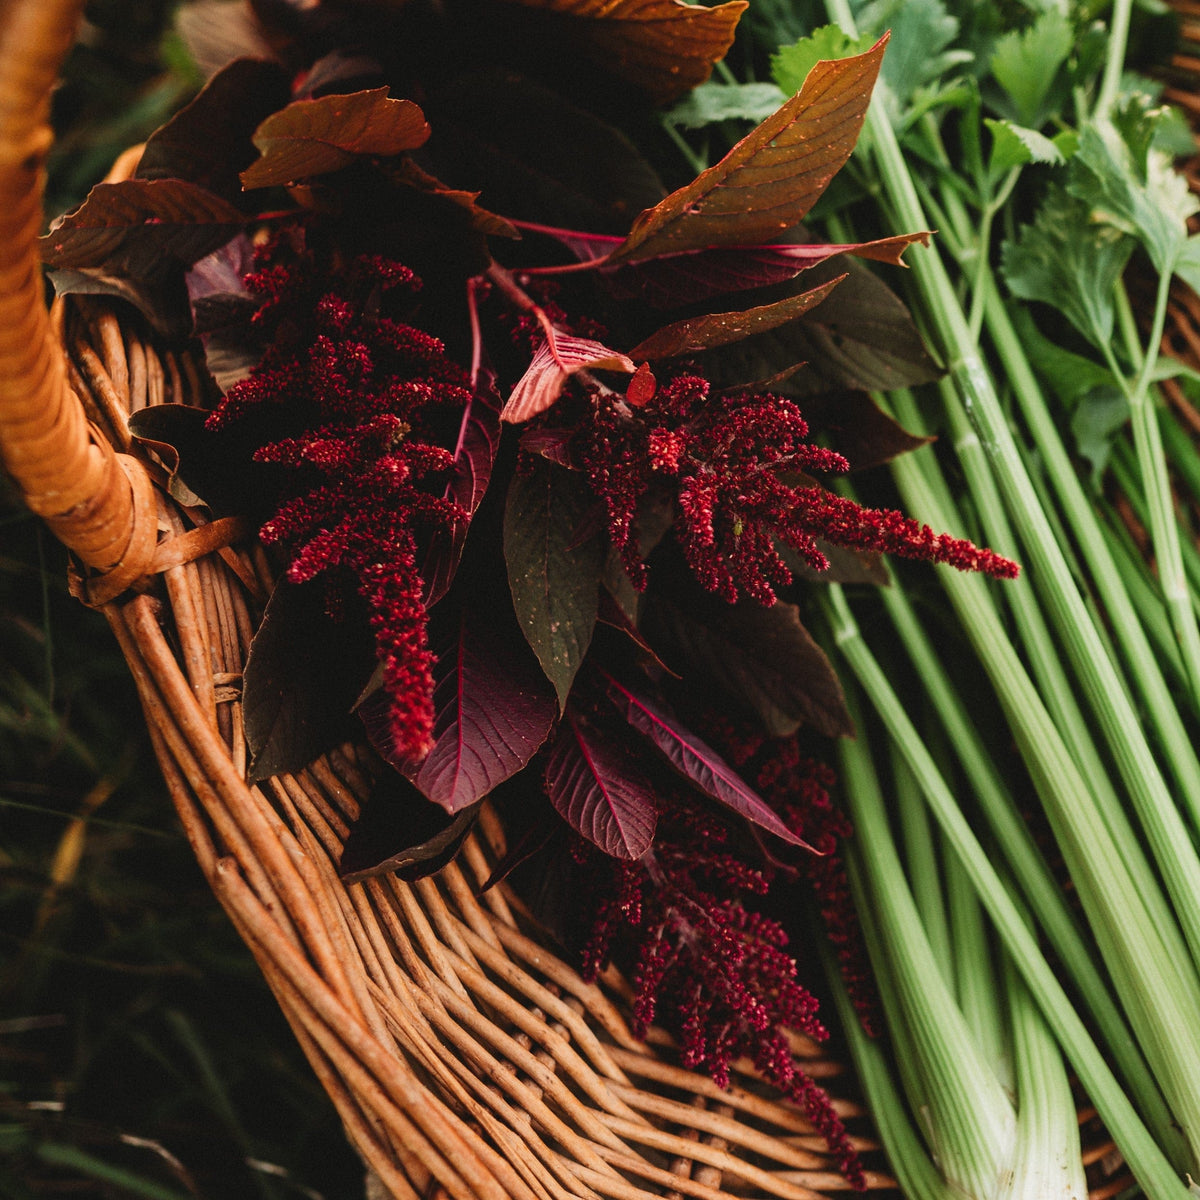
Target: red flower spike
x=716 y=973
x=732 y=501
x=353 y=388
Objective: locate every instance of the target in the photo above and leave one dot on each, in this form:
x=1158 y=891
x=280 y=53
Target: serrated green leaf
x=712 y=102
x=1025 y=63
x=554 y=581
x=920 y=49
x=791 y=65
x=1014 y=145
x=1132 y=187
x=1070 y=262
x=1069 y=375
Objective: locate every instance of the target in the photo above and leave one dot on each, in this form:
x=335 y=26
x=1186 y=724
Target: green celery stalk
x=1142 y=1153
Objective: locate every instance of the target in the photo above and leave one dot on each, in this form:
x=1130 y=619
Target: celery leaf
x=791 y=65
x=1015 y=145
x=1026 y=62
x=1130 y=186
x=1067 y=261
x=920 y=51
x=712 y=102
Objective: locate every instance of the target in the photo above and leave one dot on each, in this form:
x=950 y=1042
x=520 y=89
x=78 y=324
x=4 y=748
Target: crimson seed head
x=716 y=973
x=355 y=386
x=737 y=468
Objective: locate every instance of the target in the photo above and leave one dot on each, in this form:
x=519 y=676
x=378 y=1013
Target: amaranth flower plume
x=737 y=468
x=716 y=973
x=354 y=386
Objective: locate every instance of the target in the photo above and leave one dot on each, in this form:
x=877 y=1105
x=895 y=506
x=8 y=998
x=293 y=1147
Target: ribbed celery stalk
x=1144 y=1156
x=1161 y=998
x=1043 y=1158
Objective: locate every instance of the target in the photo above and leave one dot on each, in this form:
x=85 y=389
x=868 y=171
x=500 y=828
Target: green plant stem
x=1156 y=485
x=1049 y=1160
x=970 y=1122
x=1117 y=719
x=1039 y=888
x=1124 y=471
x=918 y=1177
x=921 y=861
x=1121 y=613
x=1117 y=888
x=1114 y=63
x=1144 y=1157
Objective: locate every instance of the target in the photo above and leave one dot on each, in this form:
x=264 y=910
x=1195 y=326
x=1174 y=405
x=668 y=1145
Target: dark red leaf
x=208 y=142
x=535 y=155
x=301 y=677
x=554 y=580
x=598 y=791
x=474 y=456
x=861 y=337
x=551 y=444
x=164 y=309
x=763 y=657
x=407 y=173
x=493 y=710
x=773 y=176
x=859 y=429
x=698 y=761
x=131 y=227
x=676 y=279
x=558 y=358
x=664 y=47
x=315 y=137
x=399 y=830
x=720 y=329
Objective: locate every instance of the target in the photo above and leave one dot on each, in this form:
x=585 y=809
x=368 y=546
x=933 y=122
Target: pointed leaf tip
x=768 y=182
x=599 y=792
x=315 y=137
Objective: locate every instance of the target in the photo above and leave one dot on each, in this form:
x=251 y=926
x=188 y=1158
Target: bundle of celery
x=1046 y=169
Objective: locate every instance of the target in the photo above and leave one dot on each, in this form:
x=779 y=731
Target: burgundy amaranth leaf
x=474 y=457
x=698 y=761
x=315 y=137
x=665 y=47
x=143 y=221
x=554 y=577
x=598 y=791
x=676 y=279
x=773 y=176
x=558 y=358
x=765 y=657
x=493 y=709
x=208 y=141
x=719 y=329
x=587 y=247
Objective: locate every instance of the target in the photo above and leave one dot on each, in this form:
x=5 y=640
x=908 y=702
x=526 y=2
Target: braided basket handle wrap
x=69 y=475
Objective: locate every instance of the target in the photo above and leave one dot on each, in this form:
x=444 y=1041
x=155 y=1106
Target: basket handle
x=94 y=500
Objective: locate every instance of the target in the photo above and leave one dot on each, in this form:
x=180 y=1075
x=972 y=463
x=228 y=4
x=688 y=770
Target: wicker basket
x=466 y=1060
